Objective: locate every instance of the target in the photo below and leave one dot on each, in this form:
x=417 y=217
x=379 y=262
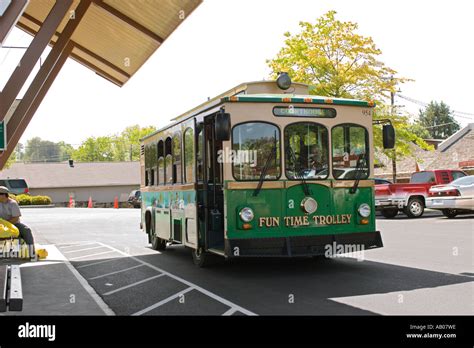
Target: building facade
x=456 y=152
x=102 y=181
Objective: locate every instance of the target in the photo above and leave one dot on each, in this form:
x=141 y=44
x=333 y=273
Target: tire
x=389 y=213
x=203 y=259
x=450 y=213
x=156 y=242
x=415 y=208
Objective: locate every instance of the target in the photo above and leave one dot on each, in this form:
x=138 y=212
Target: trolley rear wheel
x=156 y=242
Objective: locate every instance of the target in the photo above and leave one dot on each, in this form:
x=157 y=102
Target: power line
x=454 y=112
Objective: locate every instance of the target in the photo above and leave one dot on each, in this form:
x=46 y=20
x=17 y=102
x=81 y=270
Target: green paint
x=286 y=203
x=3 y=137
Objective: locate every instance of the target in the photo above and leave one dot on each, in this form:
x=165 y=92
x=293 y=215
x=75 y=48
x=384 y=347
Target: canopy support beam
x=32 y=55
x=42 y=82
x=10 y=17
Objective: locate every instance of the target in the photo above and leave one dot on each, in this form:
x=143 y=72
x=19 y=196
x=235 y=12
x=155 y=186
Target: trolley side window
x=177 y=159
x=306 y=149
x=189 y=155
x=150 y=163
x=161 y=164
x=255 y=145
x=199 y=154
x=350 y=147
x=168 y=162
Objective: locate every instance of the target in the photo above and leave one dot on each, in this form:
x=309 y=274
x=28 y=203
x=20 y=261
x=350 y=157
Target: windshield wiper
x=360 y=160
x=300 y=173
x=264 y=172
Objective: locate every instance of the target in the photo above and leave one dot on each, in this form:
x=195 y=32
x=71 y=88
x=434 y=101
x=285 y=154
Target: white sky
x=226 y=42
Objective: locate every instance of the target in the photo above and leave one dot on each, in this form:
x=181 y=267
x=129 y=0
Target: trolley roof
x=246 y=92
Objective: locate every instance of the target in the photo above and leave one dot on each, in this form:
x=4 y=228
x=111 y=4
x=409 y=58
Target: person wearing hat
x=10 y=211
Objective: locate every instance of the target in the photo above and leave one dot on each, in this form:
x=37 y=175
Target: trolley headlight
x=364 y=210
x=309 y=205
x=246 y=214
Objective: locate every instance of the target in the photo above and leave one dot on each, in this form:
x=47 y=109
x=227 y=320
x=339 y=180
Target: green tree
x=39 y=150
x=438 y=121
x=124 y=146
x=338 y=62
x=65 y=150
x=93 y=149
x=129 y=142
x=12 y=159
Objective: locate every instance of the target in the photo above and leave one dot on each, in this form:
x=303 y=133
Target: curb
x=37 y=206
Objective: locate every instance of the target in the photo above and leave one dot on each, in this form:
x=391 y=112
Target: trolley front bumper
x=303 y=245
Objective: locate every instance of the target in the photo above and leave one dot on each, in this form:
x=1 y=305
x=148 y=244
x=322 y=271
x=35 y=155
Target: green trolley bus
x=265 y=169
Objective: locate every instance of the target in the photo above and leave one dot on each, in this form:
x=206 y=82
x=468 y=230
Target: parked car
x=411 y=197
x=16 y=186
x=454 y=198
x=382 y=181
x=135 y=198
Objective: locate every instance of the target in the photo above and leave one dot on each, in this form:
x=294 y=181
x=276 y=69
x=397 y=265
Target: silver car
x=454 y=198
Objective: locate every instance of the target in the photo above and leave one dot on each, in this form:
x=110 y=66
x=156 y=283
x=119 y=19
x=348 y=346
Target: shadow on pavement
x=262 y=285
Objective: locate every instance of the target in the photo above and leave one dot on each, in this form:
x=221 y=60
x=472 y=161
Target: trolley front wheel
x=203 y=259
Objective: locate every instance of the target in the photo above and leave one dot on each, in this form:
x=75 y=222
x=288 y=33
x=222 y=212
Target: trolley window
x=350 y=152
x=255 y=146
x=306 y=149
x=189 y=155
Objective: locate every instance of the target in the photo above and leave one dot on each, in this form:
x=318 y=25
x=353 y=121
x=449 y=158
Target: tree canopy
x=337 y=61
x=39 y=150
x=124 y=146
x=437 y=120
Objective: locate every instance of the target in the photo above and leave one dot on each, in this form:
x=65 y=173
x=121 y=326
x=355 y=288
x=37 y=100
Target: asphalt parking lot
x=426 y=267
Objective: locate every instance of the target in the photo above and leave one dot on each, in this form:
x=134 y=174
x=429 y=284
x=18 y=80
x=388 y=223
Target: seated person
x=10 y=211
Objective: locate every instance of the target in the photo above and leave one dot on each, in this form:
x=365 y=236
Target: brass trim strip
x=242 y=185
x=295 y=183
x=350 y=183
x=184 y=187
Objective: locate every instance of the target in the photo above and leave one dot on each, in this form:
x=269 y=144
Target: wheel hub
x=415 y=208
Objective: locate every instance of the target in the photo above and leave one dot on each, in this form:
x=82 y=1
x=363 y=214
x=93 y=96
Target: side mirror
x=388 y=135
x=222 y=126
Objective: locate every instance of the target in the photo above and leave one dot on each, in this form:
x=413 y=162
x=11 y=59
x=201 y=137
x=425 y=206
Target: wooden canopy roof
x=114 y=37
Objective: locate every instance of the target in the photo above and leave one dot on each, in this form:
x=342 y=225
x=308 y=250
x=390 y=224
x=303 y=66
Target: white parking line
x=196 y=287
x=96 y=254
x=75 y=245
x=98 y=300
x=75 y=251
x=230 y=312
x=132 y=285
x=162 y=302
x=111 y=273
x=96 y=263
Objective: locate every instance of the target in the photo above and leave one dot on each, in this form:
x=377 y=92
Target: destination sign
x=289 y=111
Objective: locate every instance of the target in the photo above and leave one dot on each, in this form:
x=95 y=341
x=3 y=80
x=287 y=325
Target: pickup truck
x=411 y=197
